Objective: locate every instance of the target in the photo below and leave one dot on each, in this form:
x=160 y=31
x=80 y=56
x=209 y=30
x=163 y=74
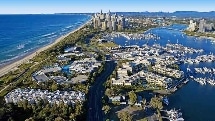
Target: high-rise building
x=99 y=22
x=108 y=20
x=95 y=23
x=192 y=26
x=123 y=22
x=114 y=25
x=202 y=25
x=104 y=25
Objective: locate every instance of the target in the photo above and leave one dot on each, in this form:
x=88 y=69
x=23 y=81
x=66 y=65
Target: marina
x=204 y=70
x=204 y=81
x=189 y=53
x=129 y=36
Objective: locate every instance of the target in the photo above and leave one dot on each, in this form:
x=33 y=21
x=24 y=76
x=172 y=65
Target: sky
x=86 y=6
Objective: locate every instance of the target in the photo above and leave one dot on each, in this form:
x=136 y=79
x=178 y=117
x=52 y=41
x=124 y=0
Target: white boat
x=201 y=82
x=210 y=82
x=175 y=115
x=20 y=46
x=191 y=77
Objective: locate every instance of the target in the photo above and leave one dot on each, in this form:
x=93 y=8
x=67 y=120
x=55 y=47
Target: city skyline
x=81 y=6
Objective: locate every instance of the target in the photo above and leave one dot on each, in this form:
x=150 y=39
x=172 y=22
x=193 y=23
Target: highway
x=97 y=91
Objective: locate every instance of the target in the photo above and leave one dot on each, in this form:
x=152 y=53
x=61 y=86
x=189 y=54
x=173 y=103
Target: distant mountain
x=179 y=14
x=210 y=14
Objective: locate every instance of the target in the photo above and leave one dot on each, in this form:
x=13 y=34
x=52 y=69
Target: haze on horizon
x=90 y=6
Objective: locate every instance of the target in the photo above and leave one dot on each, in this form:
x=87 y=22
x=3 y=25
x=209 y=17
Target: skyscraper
x=123 y=22
x=114 y=25
x=202 y=25
x=192 y=26
x=108 y=20
x=95 y=23
x=104 y=25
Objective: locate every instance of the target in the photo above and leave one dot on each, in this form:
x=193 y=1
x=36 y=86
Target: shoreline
x=200 y=36
x=205 y=37
x=14 y=64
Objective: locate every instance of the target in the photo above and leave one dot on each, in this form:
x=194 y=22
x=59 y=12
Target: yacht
x=186 y=81
x=165 y=100
x=175 y=115
x=191 y=77
x=211 y=82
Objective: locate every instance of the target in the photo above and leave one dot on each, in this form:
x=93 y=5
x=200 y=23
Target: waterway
x=197 y=102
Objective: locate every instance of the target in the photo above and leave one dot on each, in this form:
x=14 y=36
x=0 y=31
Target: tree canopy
x=132 y=97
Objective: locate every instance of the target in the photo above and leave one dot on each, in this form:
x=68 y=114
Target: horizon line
x=105 y=12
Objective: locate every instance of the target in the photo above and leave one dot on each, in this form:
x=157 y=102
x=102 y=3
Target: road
x=97 y=91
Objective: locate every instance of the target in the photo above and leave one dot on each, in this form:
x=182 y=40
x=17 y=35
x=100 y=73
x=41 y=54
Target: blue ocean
x=23 y=34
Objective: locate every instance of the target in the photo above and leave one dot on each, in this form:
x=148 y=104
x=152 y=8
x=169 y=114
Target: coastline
x=205 y=37
x=199 y=36
x=13 y=65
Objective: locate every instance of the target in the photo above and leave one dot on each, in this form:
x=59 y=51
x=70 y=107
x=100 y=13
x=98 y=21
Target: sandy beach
x=14 y=65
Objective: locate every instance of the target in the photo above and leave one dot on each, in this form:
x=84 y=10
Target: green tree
x=54 y=87
x=29 y=119
x=59 y=119
x=2 y=112
x=25 y=104
x=124 y=116
x=144 y=102
x=144 y=119
x=109 y=92
x=78 y=109
x=106 y=109
x=72 y=116
x=156 y=103
x=10 y=119
x=132 y=97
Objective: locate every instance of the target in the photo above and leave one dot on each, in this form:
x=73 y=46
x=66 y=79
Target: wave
x=30 y=49
x=41 y=41
x=21 y=46
x=12 y=49
x=54 y=36
x=10 y=55
x=11 y=59
x=46 y=35
x=63 y=30
x=69 y=27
